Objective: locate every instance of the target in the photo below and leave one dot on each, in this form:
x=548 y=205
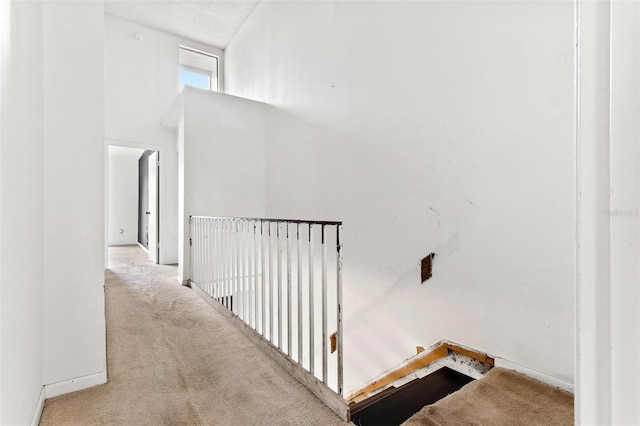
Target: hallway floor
x=172 y=360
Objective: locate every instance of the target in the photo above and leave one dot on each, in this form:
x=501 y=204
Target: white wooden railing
x=282 y=278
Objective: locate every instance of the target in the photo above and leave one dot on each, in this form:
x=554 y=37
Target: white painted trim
x=39 y=408
x=142 y=247
x=427 y=369
x=545 y=378
x=73 y=385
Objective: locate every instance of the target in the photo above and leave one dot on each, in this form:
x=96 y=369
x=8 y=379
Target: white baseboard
x=545 y=378
x=76 y=384
x=39 y=408
x=143 y=247
x=181 y=281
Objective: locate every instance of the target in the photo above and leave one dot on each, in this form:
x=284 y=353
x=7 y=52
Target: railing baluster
x=237 y=278
x=229 y=266
x=230 y=293
x=223 y=258
x=280 y=343
x=199 y=251
x=195 y=242
x=229 y=263
x=299 y=306
x=208 y=252
x=214 y=259
x=215 y=263
x=289 y=302
x=325 y=373
x=226 y=249
x=339 y=305
x=211 y=246
x=245 y=273
x=215 y=266
x=255 y=275
x=203 y=264
x=247 y=276
x=271 y=338
x=199 y=263
x=312 y=319
x=243 y=269
x=241 y=274
x=262 y=279
x=200 y=246
x=192 y=241
x=238 y=244
x=218 y=261
x=205 y=253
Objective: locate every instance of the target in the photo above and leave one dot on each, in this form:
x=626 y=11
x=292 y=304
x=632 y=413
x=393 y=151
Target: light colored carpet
x=501 y=398
x=172 y=360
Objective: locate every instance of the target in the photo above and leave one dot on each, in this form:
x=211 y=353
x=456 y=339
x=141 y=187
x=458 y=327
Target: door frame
x=155 y=166
x=161 y=193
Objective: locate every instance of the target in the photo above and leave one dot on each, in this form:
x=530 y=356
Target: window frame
x=218 y=58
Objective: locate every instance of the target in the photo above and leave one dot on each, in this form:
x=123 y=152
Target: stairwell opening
x=395 y=405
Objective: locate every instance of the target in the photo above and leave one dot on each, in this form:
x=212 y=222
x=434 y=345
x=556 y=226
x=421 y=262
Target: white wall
x=123 y=195
x=427 y=126
x=224 y=159
x=141 y=82
x=74 y=326
x=21 y=204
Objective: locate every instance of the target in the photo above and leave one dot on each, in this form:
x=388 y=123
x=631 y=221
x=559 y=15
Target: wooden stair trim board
x=421 y=360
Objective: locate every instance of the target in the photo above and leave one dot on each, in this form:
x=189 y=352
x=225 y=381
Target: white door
x=153 y=207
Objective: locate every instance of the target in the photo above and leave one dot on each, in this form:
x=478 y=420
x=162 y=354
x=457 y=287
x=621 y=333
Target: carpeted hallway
x=172 y=360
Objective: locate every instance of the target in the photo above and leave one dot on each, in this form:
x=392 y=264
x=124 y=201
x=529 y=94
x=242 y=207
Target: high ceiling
x=212 y=22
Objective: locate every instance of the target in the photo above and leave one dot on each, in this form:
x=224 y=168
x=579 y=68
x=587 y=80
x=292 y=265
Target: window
x=198 y=69
x=195 y=79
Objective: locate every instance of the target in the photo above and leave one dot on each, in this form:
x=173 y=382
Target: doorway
x=133 y=199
